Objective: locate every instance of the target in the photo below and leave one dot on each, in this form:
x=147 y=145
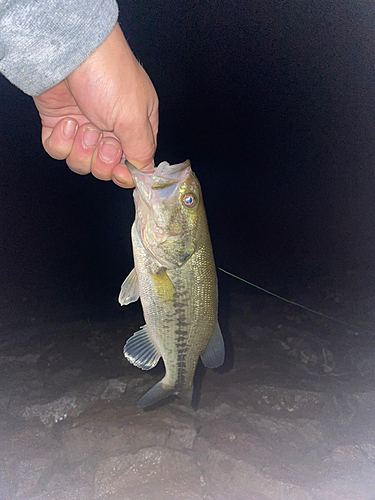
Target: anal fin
x=140 y=350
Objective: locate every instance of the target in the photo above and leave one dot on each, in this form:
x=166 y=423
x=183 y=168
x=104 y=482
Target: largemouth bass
x=174 y=275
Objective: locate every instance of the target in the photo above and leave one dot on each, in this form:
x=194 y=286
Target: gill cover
x=167 y=203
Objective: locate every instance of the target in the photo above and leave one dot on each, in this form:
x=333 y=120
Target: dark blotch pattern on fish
x=181 y=339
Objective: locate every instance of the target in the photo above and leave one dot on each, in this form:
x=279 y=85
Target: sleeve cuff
x=41 y=42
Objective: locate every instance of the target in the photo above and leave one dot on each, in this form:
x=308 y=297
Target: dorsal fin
x=213 y=355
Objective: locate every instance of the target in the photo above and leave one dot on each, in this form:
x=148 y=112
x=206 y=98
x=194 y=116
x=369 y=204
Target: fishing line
x=289 y=301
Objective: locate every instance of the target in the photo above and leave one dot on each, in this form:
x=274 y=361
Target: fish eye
x=189 y=200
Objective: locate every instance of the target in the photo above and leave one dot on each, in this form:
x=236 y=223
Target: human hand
x=105 y=109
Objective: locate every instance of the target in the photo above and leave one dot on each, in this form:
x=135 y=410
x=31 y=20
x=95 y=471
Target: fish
x=175 y=278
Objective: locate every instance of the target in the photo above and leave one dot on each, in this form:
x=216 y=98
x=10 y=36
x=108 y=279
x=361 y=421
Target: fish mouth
x=160 y=185
x=163 y=176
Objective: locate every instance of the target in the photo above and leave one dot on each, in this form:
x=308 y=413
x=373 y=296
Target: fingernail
x=109 y=151
x=69 y=128
x=117 y=179
x=91 y=137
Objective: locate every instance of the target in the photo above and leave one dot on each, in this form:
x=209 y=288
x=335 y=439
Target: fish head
x=168 y=205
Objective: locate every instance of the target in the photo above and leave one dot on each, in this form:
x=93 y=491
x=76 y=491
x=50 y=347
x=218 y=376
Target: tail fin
x=155 y=394
x=161 y=391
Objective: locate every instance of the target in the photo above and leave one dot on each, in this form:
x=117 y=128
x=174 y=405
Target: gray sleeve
x=43 y=41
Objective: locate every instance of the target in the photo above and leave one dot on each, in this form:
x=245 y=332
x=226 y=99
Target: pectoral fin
x=213 y=355
x=164 y=286
x=140 y=350
x=129 y=289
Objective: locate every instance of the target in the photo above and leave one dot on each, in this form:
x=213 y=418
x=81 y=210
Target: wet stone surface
x=291 y=415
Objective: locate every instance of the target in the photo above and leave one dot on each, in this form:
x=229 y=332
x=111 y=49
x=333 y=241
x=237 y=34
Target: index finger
x=139 y=142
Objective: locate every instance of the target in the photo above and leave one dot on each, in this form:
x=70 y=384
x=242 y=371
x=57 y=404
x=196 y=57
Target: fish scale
x=175 y=278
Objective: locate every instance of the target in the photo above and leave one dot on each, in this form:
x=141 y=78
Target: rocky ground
x=290 y=416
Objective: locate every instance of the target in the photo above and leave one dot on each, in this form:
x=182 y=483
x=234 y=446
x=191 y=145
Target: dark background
x=273 y=102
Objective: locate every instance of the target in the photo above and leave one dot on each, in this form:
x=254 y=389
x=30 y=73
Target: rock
x=182 y=431
x=182 y=438
x=26 y=358
x=161 y=468
x=30 y=472
x=61 y=487
x=116 y=433
x=57 y=410
x=115 y=388
x=228 y=478
x=73 y=403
